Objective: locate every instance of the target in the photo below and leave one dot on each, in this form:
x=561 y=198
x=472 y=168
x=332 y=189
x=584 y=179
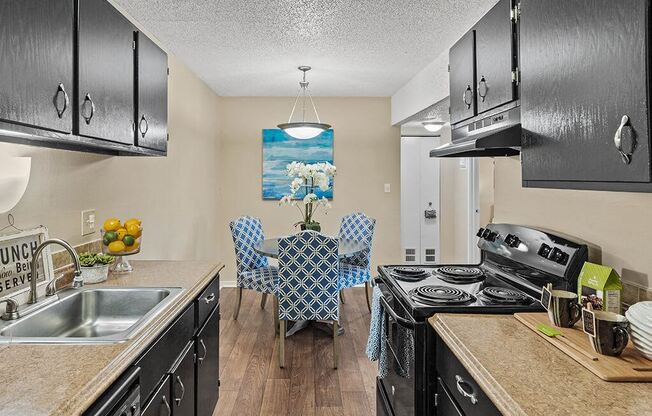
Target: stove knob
x=558 y=256
x=544 y=250
x=479 y=233
x=512 y=241
x=485 y=233
x=491 y=236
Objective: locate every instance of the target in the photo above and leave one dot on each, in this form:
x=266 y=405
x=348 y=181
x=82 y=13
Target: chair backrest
x=358 y=227
x=247 y=232
x=308 y=277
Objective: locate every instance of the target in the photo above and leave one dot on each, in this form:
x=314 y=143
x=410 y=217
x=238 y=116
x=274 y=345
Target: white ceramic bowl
x=640 y=335
x=637 y=323
x=641 y=343
x=642 y=311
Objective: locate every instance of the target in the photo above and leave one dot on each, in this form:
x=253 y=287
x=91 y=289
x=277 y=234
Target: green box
x=601 y=286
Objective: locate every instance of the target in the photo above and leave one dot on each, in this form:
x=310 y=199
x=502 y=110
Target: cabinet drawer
x=161 y=355
x=207 y=301
x=465 y=391
x=160 y=404
x=445 y=404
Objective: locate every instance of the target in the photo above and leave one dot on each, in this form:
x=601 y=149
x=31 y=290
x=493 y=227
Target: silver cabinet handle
x=183 y=392
x=167 y=405
x=210 y=298
x=143 y=121
x=468 y=93
x=471 y=396
x=66 y=101
x=482 y=88
x=201 y=342
x=618 y=141
x=88 y=100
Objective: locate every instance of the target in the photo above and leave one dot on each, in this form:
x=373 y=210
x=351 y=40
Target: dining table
x=347 y=248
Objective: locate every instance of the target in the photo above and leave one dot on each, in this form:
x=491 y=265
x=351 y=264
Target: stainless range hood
x=496 y=135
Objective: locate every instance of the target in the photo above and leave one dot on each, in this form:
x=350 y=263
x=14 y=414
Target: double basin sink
x=90 y=316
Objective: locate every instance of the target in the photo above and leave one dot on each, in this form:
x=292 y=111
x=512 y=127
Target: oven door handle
x=401 y=321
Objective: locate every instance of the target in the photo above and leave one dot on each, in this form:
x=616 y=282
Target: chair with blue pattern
x=356 y=269
x=253 y=269
x=308 y=283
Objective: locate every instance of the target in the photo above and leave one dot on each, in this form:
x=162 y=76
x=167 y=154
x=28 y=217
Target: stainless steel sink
x=90 y=315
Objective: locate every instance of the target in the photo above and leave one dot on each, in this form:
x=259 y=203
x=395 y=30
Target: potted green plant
x=95 y=266
x=310 y=178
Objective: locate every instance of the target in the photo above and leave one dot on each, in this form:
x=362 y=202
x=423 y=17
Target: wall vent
x=429 y=255
x=410 y=255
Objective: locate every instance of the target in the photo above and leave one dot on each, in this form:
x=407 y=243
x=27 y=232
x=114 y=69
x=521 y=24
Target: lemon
x=133 y=230
x=112 y=224
x=133 y=221
x=134 y=247
x=121 y=233
x=117 y=246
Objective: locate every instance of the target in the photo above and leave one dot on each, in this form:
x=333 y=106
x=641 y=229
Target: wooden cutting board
x=630 y=366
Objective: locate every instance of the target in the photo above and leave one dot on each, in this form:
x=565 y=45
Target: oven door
x=400 y=384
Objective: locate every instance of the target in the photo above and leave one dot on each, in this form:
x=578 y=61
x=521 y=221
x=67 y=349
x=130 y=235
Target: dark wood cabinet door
x=36 y=63
x=152 y=82
x=183 y=383
x=462 y=78
x=584 y=66
x=160 y=404
x=494 y=57
x=106 y=73
x=208 y=365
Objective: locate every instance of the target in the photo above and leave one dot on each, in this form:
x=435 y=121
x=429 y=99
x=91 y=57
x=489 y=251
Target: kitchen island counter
x=50 y=379
x=523 y=374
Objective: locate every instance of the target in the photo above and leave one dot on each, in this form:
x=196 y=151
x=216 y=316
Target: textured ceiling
x=356 y=48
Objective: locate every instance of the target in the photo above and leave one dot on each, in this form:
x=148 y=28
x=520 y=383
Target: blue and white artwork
x=279 y=150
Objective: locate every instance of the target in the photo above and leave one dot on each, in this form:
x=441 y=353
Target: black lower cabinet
x=160 y=404
x=183 y=383
x=208 y=364
x=382 y=404
x=460 y=393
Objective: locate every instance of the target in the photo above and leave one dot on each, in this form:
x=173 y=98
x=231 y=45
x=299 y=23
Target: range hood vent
x=496 y=135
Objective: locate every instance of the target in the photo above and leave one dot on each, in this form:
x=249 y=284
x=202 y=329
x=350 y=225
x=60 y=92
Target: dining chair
x=252 y=269
x=308 y=283
x=356 y=269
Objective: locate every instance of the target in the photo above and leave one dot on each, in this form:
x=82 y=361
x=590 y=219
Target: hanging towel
x=405 y=347
x=376 y=348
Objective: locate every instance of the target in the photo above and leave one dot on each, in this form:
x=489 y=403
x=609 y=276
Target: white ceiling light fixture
x=433 y=126
x=303 y=129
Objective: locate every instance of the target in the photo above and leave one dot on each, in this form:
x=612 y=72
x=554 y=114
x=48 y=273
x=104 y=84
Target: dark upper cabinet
x=585 y=86
x=495 y=57
x=208 y=365
x=462 y=78
x=36 y=64
x=152 y=94
x=106 y=73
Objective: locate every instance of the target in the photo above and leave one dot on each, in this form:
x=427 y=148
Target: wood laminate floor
x=253 y=384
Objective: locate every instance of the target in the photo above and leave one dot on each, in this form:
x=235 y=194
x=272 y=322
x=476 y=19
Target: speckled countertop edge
x=501 y=399
x=36 y=398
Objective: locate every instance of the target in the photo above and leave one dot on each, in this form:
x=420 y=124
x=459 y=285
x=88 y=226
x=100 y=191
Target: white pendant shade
x=303 y=129
x=14 y=177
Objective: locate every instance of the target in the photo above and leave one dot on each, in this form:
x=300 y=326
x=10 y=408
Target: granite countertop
x=47 y=379
x=525 y=375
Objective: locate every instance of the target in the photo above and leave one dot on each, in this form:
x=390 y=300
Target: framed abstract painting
x=279 y=150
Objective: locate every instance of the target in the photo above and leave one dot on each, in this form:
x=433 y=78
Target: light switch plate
x=387 y=188
x=88 y=222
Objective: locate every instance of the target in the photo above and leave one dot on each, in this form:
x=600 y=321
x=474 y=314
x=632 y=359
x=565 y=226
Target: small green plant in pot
x=95 y=266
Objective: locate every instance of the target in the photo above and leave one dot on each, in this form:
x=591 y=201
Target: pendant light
x=303 y=129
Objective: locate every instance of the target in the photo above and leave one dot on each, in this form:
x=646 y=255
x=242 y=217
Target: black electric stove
x=516 y=263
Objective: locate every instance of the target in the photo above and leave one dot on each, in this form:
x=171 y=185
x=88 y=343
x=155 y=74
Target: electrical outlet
x=88 y=222
x=387 y=188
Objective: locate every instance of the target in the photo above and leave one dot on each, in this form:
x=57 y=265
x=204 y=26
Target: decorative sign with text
x=16 y=254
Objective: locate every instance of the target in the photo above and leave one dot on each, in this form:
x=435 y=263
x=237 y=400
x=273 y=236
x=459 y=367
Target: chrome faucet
x=77 y=281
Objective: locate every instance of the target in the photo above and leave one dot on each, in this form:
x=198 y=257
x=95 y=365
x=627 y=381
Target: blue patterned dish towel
x=376 y=347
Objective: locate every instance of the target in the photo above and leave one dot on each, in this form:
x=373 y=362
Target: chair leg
x=281 y=344
x=342 y=296
x=367 y=295
x=276 y=321
x=237 y=305
x=336 y=348
x=263 y=301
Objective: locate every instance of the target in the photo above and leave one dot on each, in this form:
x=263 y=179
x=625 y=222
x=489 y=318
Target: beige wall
x=619 y=224
x=177 y=196
x=366 y=155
